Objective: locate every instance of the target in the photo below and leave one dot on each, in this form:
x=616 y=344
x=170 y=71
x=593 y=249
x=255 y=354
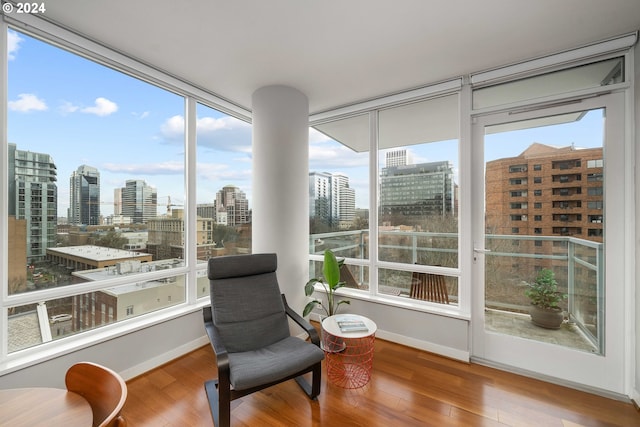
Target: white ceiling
x=339 y=52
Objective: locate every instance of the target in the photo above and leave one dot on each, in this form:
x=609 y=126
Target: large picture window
x=96 y=193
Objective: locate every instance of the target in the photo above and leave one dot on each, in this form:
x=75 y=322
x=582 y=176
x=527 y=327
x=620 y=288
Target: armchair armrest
x=222 y=358
x=309 y=329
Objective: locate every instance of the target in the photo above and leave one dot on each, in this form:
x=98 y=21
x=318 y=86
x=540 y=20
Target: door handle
x=481 y=251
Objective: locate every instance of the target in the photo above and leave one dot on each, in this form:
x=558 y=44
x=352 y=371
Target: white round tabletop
x=349 y=326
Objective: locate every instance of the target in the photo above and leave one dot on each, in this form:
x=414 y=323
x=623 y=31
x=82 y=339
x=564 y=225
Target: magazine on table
x=348 y=323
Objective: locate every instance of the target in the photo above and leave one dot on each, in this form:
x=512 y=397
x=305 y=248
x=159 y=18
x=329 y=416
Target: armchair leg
x=220 y=411
x=313 y=389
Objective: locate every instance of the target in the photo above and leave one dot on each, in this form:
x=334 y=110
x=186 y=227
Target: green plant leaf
x=331 y=269
x=309 y=287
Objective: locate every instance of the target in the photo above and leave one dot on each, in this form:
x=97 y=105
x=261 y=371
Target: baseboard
x=441 y=350
x=161 y=359
x=635 y=399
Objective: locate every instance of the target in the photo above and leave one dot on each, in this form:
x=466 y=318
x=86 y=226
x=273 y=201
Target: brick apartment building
x=546 y=191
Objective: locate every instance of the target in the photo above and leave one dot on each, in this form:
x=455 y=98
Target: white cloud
x=102 y=107
x=67 y=108
x=144 y=169
x=225 y=133
x=141 y=116
x=13 y=44
x=27 y=102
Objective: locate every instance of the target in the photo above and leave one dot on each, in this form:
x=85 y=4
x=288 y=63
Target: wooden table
x=43 y=407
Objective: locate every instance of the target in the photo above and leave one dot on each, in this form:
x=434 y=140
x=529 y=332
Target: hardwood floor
x=408 y=387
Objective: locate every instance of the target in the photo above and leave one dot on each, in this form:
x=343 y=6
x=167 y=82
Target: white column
x=280 y=213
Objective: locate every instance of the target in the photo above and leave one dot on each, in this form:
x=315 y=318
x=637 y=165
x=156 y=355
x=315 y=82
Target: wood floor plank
x=408 y=388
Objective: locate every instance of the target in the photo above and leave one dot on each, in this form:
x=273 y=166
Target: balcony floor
x=505 y=322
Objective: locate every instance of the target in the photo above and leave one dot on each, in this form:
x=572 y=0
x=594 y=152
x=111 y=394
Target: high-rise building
x=139 y=201
x=331 y=200
x=547 y=191
x=233 y=201
x=84 y=196
x=33 y=197
x=398 y=157
x=117 y=202
x=423 y=189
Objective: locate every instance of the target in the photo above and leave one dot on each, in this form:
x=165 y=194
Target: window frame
x=58 y=37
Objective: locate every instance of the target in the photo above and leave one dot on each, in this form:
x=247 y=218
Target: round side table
x=348 y=351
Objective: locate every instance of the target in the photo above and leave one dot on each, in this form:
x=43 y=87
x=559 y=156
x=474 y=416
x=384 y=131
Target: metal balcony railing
x=513 y=261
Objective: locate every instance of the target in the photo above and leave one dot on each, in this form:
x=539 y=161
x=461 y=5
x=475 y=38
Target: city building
x=33 y=197
x=87 y=257
x=166 y=236
x=206 y=210
x=84 y=196
x=233 y=201
x=417 y=190
x=547 y=191
x=331 y=200
x=139 y=201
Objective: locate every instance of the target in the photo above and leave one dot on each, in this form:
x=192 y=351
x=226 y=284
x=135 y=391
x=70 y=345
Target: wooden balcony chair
x=351 y=282
x=429 y=287
x=249 y=332
x=103 y=388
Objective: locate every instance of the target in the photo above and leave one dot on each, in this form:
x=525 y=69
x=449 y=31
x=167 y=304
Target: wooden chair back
x=103 y=388
x=429 y=287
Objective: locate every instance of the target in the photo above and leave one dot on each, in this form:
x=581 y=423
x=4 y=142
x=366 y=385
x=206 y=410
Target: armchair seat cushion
x=271 y=363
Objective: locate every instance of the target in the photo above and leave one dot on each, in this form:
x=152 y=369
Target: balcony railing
x=513 y=261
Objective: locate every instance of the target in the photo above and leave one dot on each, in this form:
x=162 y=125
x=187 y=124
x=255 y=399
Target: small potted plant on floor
x=331 y=282
x=545 y=300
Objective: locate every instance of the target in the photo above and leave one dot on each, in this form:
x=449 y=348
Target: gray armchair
x=249 y=332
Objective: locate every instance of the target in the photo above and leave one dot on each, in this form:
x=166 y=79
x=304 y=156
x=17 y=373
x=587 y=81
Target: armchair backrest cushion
x=246 y=302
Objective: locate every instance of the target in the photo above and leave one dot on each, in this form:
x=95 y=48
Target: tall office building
x=117 y=202
x=423 y=189
x=547 y=191
x=398 y=157
x=84 y=196
x=33 y=197
x=139 y=201
x=232 y=203
x=331 y=200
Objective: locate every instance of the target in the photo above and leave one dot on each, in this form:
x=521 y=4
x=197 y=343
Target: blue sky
x=80 y=112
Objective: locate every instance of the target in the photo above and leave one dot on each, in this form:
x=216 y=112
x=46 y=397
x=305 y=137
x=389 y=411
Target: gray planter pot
x=550 y=318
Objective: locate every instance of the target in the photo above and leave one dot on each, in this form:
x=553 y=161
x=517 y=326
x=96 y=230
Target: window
x=418 y=189
x=537 y=217
x=517 y=168
x=518 y=181
x=595 y=205
x=599 y=163
x=518 y=194
x=537 y=192
x=537 y=230
x=224 y=215
x=594 y=191
x=537 y=167
x=537 y=205
x=537 y=179
x=515 y=230
x=102 y=178
x=339 y=193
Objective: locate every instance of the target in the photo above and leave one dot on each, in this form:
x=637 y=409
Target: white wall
x=130 y=355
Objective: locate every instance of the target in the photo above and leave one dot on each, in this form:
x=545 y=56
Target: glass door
x=549 y=205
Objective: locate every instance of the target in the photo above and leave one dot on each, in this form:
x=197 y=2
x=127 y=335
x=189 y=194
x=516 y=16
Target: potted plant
x=545 y=300
x=330 y=280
